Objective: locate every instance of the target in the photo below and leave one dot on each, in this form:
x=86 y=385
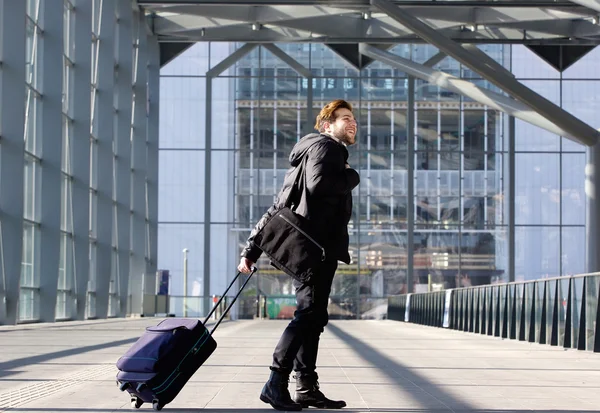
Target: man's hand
x=245 y=266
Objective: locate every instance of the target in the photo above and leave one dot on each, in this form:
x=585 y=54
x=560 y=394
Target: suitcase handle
x=234 y=298
x=225 y=294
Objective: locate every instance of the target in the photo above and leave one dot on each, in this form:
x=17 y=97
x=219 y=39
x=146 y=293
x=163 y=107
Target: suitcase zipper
x=306 y=235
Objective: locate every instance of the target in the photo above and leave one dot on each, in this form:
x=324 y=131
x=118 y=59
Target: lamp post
x=185 y=278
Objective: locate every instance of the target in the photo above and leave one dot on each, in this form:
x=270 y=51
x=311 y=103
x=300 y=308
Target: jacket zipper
x=306 y=235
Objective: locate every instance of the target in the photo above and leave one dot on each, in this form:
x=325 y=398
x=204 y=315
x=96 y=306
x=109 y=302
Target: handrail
x=560 y=311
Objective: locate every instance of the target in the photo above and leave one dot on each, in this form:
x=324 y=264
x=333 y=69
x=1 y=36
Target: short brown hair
x=327 y=113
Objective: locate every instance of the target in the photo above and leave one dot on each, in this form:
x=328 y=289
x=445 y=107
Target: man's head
x=336 y=119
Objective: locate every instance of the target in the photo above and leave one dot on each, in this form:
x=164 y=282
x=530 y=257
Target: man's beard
x=343 y=136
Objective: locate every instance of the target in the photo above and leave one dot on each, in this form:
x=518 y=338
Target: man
x=326 y=201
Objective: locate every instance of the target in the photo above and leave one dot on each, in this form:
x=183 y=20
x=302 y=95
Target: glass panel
x=576 y=308
x=322 y=56
x=519 y=297
x=31 y=187
x=573 y=189
x=529 y=298
x=172 y=239
x=581 y=98
x=553 y=297
x=585 y=67
x=539 y=306
x=526 y=64
x=182 y=113
x=563 y=296
x=537 y=189
x=28 y=278
x=94 y=164
x=66 y=206
x=223 y=114
x=573 y=250
x=537 y=253
x=532 y=138
x=29 y=304
x=591 y=310
x=194 y=60
x=31 y=121
x=181 y=185
x=483 y=260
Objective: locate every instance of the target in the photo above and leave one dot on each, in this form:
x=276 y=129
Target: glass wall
x=550 y=201
x=57 y=229
x=259 y=110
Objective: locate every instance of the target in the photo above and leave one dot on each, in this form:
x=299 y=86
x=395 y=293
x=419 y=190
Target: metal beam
x=122 y=148
x=410 y=168
x=80 y=150
x=434 y=60
x=231 y=59
x=105 y=119
x=480 y=54
x=287 y=59
x=12 y=149
x=152 y=142
x=590 y=4
x=463 y=87
x=50 y=135
x=575 y=129
x=137 y=269
x=356 y=3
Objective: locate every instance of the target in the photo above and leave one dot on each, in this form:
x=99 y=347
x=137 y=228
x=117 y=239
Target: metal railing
x=559 y=311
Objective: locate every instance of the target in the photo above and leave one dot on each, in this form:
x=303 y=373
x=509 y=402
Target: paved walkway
x=376 y=366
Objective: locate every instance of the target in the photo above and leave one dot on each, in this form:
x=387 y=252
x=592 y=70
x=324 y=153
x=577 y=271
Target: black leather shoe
x=308 y=394
x=275 y=392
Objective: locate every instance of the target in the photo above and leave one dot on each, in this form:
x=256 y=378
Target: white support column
x=574 y=128
x=80 y=149
x=152 y=154
x=105 y=116
x=214 y=72
x=138 y=167
x=463 y=87
x=592 y=222
x=50 y=137
x=122 y=166
x=12 y=149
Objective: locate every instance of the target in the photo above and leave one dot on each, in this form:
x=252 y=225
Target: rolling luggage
x=160 y=363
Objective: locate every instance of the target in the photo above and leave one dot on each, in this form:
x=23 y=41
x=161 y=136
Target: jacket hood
x=302 y=146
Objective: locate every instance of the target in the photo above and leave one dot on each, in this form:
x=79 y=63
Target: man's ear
x=326 y=126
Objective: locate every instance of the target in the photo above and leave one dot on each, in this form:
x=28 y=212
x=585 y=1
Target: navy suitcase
x=160 y=363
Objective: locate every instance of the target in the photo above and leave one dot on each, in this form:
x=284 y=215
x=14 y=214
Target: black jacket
x=326 y=199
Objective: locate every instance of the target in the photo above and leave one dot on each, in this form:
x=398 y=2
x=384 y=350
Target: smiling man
x=325 y=200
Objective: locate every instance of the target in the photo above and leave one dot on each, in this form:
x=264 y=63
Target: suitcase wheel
x=156 y=405
x=123 y=386
x=136 y=403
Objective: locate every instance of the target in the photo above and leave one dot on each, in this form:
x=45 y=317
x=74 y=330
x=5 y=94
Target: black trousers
x=299 y=344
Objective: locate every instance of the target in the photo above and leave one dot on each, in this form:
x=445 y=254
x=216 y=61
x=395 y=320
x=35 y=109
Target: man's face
x=344 y=127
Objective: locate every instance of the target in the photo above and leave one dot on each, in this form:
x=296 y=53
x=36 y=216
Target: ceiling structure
x=353 y=21
x=560 y=32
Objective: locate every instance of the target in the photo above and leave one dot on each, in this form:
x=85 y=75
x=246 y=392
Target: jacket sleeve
x=326 y=173
x=251 y=251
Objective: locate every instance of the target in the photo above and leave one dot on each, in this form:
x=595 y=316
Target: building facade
x=460 y=172
x=78 y=159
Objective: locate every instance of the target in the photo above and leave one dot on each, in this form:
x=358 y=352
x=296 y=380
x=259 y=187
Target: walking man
x=326 y=202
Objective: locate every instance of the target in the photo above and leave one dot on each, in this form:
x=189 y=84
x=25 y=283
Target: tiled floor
x=376 y=366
